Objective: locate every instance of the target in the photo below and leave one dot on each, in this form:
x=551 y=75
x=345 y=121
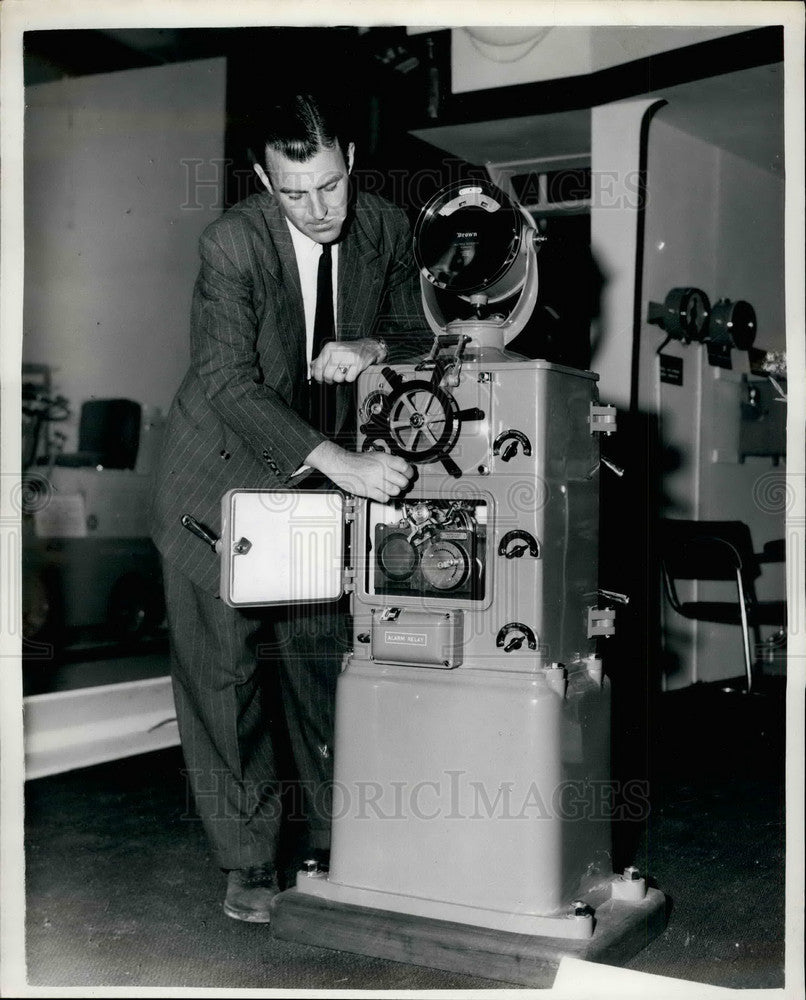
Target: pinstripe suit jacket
x=239 y=416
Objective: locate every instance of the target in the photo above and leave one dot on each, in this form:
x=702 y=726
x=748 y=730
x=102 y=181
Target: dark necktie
x=323 y=397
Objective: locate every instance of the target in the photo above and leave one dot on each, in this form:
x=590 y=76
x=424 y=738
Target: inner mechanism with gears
x=430 y=548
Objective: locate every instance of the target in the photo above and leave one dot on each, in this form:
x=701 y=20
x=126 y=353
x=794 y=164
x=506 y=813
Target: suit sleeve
x=223 y=350
x=402 y=323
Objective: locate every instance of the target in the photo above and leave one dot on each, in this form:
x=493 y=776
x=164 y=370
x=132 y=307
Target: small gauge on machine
x=733 y=323
x=684 y=314
x=397 y=557
x=445 y=565
x=732 y=327
x=373 y=405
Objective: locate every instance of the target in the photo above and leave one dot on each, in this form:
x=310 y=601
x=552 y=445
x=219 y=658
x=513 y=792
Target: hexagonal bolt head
x=311 y=866
x=581 y=908
x=631 y=873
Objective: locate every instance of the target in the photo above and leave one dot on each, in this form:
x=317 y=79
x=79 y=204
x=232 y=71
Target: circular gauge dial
x=445 y=565
x=733 y=323
x=397 y=557
x=373 y=405
x=686 y=314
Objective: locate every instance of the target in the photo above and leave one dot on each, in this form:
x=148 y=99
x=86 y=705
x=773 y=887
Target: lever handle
x=613 y=467
x=613 y=595
x=516 y=551
x=199 y=531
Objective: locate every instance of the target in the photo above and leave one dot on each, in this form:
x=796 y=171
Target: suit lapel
x=282 y=264
x=361 y=273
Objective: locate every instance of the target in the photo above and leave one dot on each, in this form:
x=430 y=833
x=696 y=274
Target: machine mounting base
x=621 y=930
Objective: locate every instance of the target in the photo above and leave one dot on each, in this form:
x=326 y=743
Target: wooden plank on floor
x=522 y=959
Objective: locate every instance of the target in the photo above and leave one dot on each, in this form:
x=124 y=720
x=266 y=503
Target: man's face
x=314 y=195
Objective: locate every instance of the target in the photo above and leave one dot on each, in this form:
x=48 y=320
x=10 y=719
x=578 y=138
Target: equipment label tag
x=406 y=638
x=671 y=369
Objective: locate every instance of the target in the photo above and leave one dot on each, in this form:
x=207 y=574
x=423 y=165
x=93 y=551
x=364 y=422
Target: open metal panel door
x=281 y=547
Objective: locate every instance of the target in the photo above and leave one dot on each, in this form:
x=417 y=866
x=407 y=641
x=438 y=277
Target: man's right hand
x=372 y=474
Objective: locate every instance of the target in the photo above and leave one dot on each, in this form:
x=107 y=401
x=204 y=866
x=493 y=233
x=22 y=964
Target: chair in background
x=108 y=435
x=720 y=550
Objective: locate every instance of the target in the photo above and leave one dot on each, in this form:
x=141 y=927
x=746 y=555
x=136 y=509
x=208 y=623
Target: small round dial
x=397 y=557
x=445 y=565
x=373 y=405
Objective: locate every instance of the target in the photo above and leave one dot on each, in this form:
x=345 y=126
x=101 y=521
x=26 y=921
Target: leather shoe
x=250 y=892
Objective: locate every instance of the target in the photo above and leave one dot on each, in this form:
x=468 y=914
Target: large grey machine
x=471 y=794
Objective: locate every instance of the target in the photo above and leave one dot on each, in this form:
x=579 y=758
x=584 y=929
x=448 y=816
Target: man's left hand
x=344 y=360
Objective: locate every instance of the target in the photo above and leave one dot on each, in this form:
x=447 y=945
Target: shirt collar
x=302 y=243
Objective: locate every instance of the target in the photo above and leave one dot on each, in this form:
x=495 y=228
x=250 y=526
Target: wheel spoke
x=408 y=400
x=431 y=400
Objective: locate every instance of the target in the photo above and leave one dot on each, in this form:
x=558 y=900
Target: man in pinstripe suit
x=241 y=419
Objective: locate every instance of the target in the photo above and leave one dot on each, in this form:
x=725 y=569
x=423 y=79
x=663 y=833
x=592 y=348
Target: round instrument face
x=687 y=311
x=373 y=405
x=445 y=565
x=734 y=323
x=397 y=557
x=467 y=237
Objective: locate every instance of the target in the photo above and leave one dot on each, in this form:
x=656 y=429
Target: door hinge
x=602 y=419
x=601 y=621
x=350 y=505
x=349 y=580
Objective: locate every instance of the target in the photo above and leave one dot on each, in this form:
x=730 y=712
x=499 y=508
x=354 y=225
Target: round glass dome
x=467 y=239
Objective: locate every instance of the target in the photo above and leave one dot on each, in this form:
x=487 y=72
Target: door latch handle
x=201 y=532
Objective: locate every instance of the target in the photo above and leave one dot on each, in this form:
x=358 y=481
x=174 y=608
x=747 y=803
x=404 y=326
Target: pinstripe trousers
x=218 y=658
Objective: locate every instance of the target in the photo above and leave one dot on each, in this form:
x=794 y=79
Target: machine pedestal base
x=621 y=930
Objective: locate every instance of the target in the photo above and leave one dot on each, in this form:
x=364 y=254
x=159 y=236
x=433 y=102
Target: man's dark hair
x=299 y=128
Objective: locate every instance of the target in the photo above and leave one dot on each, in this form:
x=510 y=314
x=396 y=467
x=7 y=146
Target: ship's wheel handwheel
x=422 y=421
x=419 y=421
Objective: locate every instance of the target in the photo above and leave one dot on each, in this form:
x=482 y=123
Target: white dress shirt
x=308 y=252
